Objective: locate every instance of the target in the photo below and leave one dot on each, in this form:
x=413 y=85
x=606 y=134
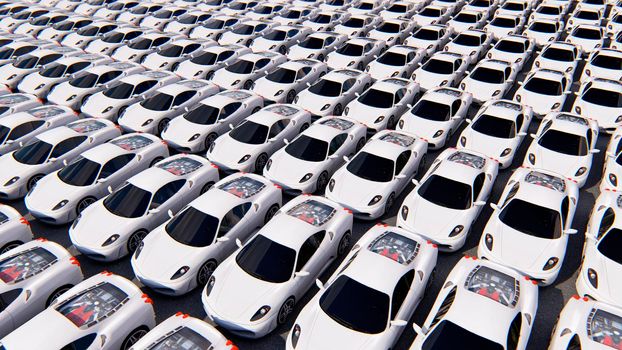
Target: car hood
x=97 y=103
x=313 y=334
x=155 y=61
x=420 y=213
x=268 y=89
x=609 y=273
x=136 y=115
x=228 y=150
x=31 y=81
x=124 y=53
x=560 y=163
x=366 y=114
x=180 y=129
x=99 y=46
x=50 y=190
x=291 y=170
x=97 y=224
x=356 y=191
x=17 y=169
x=225 y=79
x=314 y=103
x=488 y=145
x=423 y=127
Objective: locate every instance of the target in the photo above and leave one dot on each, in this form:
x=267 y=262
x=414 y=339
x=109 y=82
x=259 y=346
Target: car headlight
x=244 y=159
x=404 y=212
x=194 y=137
x=497 y=92
x=311 y=55
x=163 y=65
x=331 y=185
x=379 y=119
x=107 y=109
x=272 y=47
x=537 y=63
x=444 y=82
x=263 y=311
x=488 y=241
x=182 y=271
x=346 y=111
x=592 y=277
x=518 y=98
x=613 y=179
x=60 y=204
x=506 y=152
x=392 y=75
x=438 y=133
x=375 y=200
x=111 y=240
x=619 y=119
x=550 y=263
x=210 y=284
x=295 y=335
x=576 y=109
x=147 y=122
x=463 y=141
x=132 y=56
x=555 y=105
x=354 y=33
x=235 y=82
x=351 y=63
x=581 y=171
x=72 y=97
x=532 y=158
x=306 y=177
x=325 y=107
x=139 y=249
x=13 y=180
x=456 y=231
x=39 y=86
x=278 y=93
x=413 y=76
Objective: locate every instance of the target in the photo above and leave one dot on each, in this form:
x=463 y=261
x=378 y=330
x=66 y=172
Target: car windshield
x=113 y=38
x=544 y=86
x=350 y=49
x=607 y=62
x=267 y=260
x=556 y=54
x=163 y=14
x=205 y=59
x=55 y=71
x=282 y=76
x=388 y=27
x=543 y=27
x=119 y=92
x=426 y=34
x=64 y=25
x=244 y=29
x=6 y=53
x=549 y=10
x=80 y=173
x=203 y=114
x=356 y=306
x=510 y=46
x=88 y=31
x=312 y=43
x=494 y=126
x=376 y=98
x=171 y=51
x=193 y=227
x=27 y=62
x=466 y=18
x=140 y=44
x=439 y=67
x=250 y=132
x=488 y=75
x=585 y=33
x=321 y=19
x=602 y=97
x=543 y=222
x=503 y=22
x=84 y=82
x=159 y=102
x=354 y=23
x=371 y=167
x=446 y=192
x=277 y=35
x=591 y=15
x=33 y=153
x=327 y=88
x=467 y=40
x=128 y=202
x=308 y=149
x=562 y=142
x=241 y=67
x=610 y=245
x=392 y=59
x=448 y=335
x=214 y=24
x=431 y=110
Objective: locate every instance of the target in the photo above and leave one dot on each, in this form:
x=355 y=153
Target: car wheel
x=209 y=75
x=290 y=96
x=389 y=203
x=422 y=163
x=205 y=272
x=33 y=180
x=360 y=144
x=209 y=140
x=135 y=240
x=155 y=161
x=10 y=246
x=320 y=57
x=162 y=124
x=344 y=244
x=120 y=112
x=270 y=213
x=207 y=187
x=366 y=86
x=282 y=50
x=83 y=204
x=174 y=66
x=248 y=84
x=260 y=163
x=286 y=309
x=321 y=183
x=134 y=337
x=359 y=66
x=391 y=123
x=57 y=293
x=338 y=109
x=217 y=36
x=304 y=127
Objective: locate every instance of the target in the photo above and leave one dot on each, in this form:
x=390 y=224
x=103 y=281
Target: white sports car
x=170 y=55
x=14 y=50
x=185 y=23
x=489 y=80
x=138 y=49
x=114 y=39
x=514 y=49
x=114 y=100
x=504 y=301
x=106 y=312
x=369 y=182
x=544 y=90
x=288 y=79
x=306 y=164
x=86 y=34
x=553 y=10
x=368 y=301
x=565 y=143
x=113 y=10
x=381 y=105
x=544 y=31
x=585 y=15
x=9 y=23
x=136 y=14
x=153 y=114
x=214 y=27
x=317 y=45
x=560 y=56
x=400 y=9
x=430 y=38
x=503 y=25
x=204 y=234
x=280 y=38
x=114 y=226
x=19 y=128
x=205 y=62
x=392 y=31
x=536 y=246
x=472 y=43
x=12 y=73
x=294 y=15
x=61 y=196
x=248 y=145
x=396 y=61
x=456 y=189
x=247 y=69
x=245 y=32
x=33 y=26
x=444 y=68
x=367 y=6
x=467 y=20
x=14 y=103
x=437 y=115
x=59 y=30
x=603 y=63
x=157 y=20
x=33 y=276
x=515 y=7
x=196 y=129
x=355 y=53
x=14 y=229
x=255 y=290
x=48 y=151
x=587 y=37
x=612 y=167
x=325 y=20
x=356 y=25
x=431 y=14
x=600 y=99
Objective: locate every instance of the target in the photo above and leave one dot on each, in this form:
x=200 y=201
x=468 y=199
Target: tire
x=10 y=246
x=344 y=244
x=320 y=57
x=155 y=160
x=209 y=75
x=134 y=240
x=391 y=123
x=205 y=272
x=134 y=337
x=338 y=109
x=322 y=181
x=207 y=187
x=260 y=163
x=304 y=127
x=360 y=66
x=270 y=213
x=286 y=309
x=218 y=36
x=282 y=50
x=33 y=180
x=360 y=144
x=248 y=85
x=83 y=204
x=162 y=124
x=58 y=292
x=174 y=66
x=290 y=96
x=389 y=203
x=209 y=139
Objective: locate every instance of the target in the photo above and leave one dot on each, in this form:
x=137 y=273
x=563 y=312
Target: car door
x=313 y=257
x=280 y=130
x=235 y=224
x=168 y=197
x=229 y=114
x=337 y=148
x=183 y=98
x=404 y=165
x=114 y=172
x=403 y=302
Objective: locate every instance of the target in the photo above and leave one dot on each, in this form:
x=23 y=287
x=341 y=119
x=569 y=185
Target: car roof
x=342 y=75
x=502 y=109
x=387 y=143
x=443 y=95
x=391 y=84
x=152 y=178
x=229 y=192
x=273 y=113
x=402 y=49
x=540 y=192
x=184 y=85
x=148 y=75
x=463 y=165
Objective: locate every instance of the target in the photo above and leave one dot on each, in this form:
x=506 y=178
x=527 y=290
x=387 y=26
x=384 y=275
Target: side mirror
x=238 y=243
x=65 y=162
x=419 y=330
x=109 y=188
x=357 y=94
x=319 y=284
x=286 y=141
x=533 y=136
x=570 y=231
x=102 y=180
x=346 y=159
x=522 y=134
x=223 y=239
x=231 y=126
x=52 y=160
x=415 y=182
x=170 y=213
x=479 y=203
x=301 y=274
x=399 y=176
x=398 y=323
x=153 y=211
x=594 y=150
x=494 y=206
x=272 y=140
x=308 y=84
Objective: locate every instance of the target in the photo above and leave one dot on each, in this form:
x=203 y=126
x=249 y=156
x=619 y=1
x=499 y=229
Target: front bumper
x=446 y=244
x=171 y=287
x=245 y=330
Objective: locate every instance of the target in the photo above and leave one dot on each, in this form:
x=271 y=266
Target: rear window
x=91 y=306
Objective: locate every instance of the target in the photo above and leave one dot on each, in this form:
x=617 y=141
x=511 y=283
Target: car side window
x=144 y=86
x=278 y=127
x=106 y=29
x=336 y=143
x=455 y=106
x=400 y=292
x=564 y=209
x=303 y=72
x=166 y=192
x=191 y=48
x=66 y=146
x=224 y=55
x=81 y=343
x=329 y=40
x=24 y=129
x=202 y=18
x=76 y=67
x=347 y=85
x=519 y=122
x=229 y=109
x=115 y=164
x=24 y=50
x=511 y=194
x=399 y=95
x=367 y=47
x=261 y=63
x=260 y=27
x=230 y=22
x=606 y=222
x=478 y=183
x=588 y=135
x=292 y=33
x=308 y=248
x=183 y=97
x=108 y=76
x=508 y=72
x=514 y=333
x=49 y=58
x=457 y=64
x=132 y=35
x=410 y=56
x=444 y=308
x=401 y=161
x=232 y=218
